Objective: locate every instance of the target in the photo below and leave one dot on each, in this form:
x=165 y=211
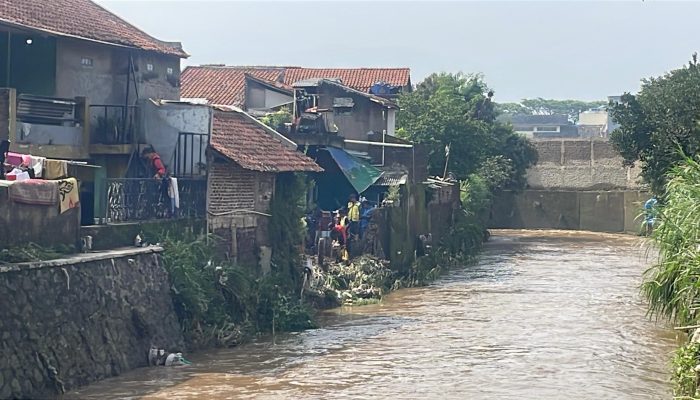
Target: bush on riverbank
x=671 y=285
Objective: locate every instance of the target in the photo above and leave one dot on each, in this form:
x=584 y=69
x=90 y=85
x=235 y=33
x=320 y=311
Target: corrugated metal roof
x=392 y=179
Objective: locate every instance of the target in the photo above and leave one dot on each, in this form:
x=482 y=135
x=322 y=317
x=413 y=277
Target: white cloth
x=19 y=174
x=38 y=164
x=174 y=192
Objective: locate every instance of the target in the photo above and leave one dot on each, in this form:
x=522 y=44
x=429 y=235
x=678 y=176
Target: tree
x=540 y=106
x=659 y=125
x=457 y=110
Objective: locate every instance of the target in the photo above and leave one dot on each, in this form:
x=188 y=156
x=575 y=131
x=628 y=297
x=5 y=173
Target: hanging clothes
x=55 y=169
x=68 y=194
x=174 y=194
x=37 y=164
x=17 y=175
x=35 y=191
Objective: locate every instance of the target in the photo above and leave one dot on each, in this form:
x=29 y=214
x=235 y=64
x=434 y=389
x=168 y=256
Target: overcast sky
x=583 y=50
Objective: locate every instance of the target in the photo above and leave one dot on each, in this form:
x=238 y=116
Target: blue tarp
x=360 y=173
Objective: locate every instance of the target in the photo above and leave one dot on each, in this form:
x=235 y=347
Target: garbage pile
x=365 y=278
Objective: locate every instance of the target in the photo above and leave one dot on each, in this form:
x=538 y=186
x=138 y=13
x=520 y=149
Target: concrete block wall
x=597 y=211
x=67 y=323
x=580 y=164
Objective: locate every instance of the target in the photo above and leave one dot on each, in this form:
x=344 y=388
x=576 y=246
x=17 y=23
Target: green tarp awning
x=360 y=173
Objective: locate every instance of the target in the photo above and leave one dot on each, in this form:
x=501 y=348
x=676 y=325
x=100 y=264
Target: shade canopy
x=359 y=173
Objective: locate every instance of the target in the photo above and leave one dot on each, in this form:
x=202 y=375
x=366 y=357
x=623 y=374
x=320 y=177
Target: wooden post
x=9 y=62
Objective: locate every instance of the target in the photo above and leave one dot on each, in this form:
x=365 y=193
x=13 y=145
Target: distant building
x=240 y=86
x=542 y=126
x=597 y=122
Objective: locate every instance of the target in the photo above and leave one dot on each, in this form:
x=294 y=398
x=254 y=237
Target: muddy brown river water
x=543 y=315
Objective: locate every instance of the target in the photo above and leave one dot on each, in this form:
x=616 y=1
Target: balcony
x=132 y=200
x=112 y=128
x=45 y=126
x=65 y=128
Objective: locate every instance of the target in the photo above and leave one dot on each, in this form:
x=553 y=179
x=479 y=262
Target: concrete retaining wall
x=598 y=211
x=70 y=322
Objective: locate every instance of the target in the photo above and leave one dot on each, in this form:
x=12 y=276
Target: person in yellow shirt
x=353 y=218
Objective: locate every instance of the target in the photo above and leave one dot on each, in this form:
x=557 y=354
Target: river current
x=542 y=315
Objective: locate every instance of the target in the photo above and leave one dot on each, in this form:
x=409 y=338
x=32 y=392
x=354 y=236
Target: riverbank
x=457 y=338
x=671 y=284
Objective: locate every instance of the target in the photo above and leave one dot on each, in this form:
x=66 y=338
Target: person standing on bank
x=353 y=217
x=650 y=215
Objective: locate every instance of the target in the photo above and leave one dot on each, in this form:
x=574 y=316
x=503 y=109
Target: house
x=343 y=117
x=542 y=126
x=244 y=160
x=227 y=85
x=354 y=114
x=71 y=77
x=597 y=122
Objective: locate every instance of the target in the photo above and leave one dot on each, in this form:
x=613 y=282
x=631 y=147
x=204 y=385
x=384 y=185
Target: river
x=543 y=315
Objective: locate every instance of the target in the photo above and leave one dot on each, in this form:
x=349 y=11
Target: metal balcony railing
x=147 y=199
x=112 y=124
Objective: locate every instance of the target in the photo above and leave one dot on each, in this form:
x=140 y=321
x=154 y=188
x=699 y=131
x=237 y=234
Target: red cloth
x=342 y=231
x=158 y=165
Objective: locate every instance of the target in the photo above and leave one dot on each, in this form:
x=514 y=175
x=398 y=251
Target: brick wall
x=230 y=187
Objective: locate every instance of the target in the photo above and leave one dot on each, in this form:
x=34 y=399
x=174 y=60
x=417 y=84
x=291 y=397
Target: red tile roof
x=226 y=85
x=357 y=78
x=222 y=85
x=250 y=144
x=82 y=19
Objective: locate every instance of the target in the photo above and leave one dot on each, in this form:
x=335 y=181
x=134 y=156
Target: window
x=169 y=71
x=546 y=129
x=86 y=62
x=149 y=67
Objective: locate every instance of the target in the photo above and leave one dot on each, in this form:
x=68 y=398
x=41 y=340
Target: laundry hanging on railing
x=35 y=191
x=68 y=194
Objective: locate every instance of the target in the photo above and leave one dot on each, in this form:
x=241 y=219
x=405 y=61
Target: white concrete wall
x=160 y=126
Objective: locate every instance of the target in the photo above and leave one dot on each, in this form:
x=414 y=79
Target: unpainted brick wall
x=230 y=187
x=233 y=188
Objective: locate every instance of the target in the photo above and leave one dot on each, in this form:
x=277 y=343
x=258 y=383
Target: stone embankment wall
x=70 y=322
x=578 y=184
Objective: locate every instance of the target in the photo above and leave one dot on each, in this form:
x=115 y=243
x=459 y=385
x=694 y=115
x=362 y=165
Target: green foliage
x=457 y=110
x=685 y=378
x=672 y=286
x=210 y=296
x=286 y=230
x=540 y=106
x=217 y=302
x=32 y=252
x=278 y=305
x=659 y=121
x=277 y=119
